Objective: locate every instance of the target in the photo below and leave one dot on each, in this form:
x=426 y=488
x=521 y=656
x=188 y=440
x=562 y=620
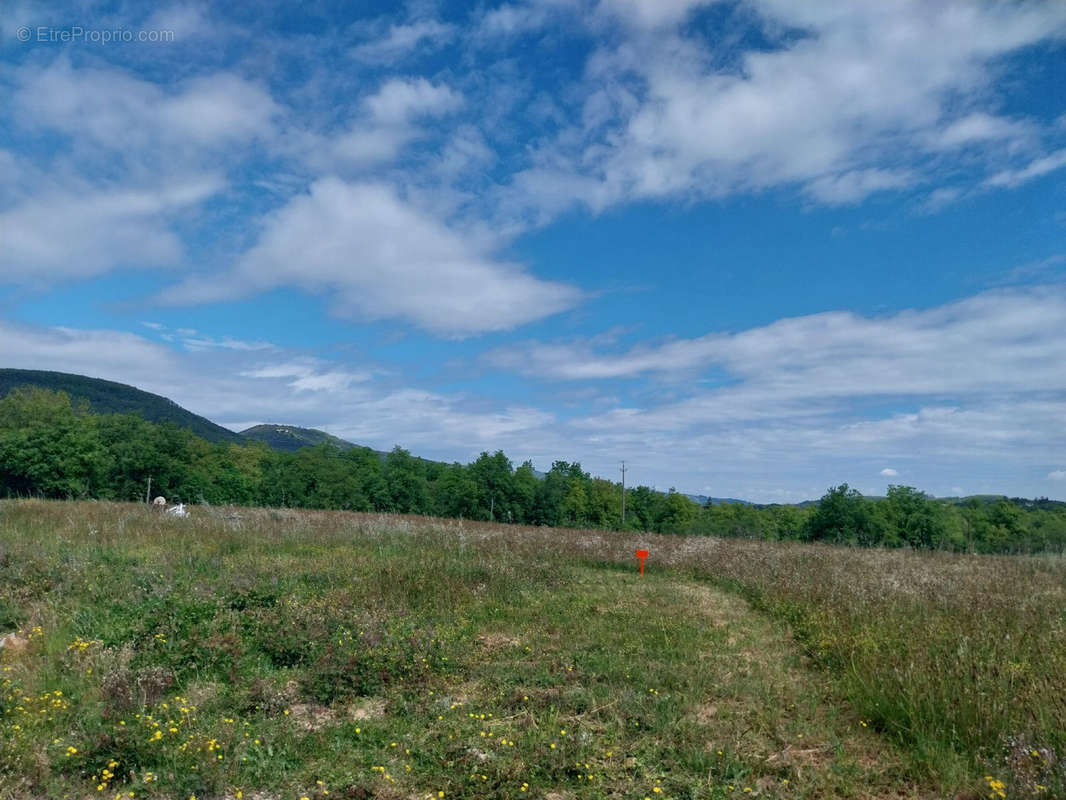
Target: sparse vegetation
x=298 y=653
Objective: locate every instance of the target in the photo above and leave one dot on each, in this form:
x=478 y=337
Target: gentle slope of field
x=286 y=655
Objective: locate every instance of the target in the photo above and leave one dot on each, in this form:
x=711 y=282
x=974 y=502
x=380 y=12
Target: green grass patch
x=338 y=655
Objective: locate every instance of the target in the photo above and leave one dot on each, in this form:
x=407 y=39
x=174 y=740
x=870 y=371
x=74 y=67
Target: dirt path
x=759 y=699
x=776 y=709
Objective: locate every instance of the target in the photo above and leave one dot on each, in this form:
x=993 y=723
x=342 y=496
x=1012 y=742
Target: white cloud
x=310 y=375
x=997 y=341
x=1057 y=475
x=466 y=150
x=198 y=343
x=195 y=341
x=854 y=105
x=391 y=119
x=1012 y=178
x=980 y=127
x=402 y=40
x=379 y=258
x=119 y=112
x=185 y=20
x=511 y=19
x=888 y=472
x=363 y=145
x=140 y=158
x=398 y=100
x=851 y=187
x=112 y=355
x=941 y=198
x=66 y=234
x=651 y=13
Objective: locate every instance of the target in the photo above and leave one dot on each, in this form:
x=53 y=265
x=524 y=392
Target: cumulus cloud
x=379 y=258
x=888 y=472
x=1057 y=475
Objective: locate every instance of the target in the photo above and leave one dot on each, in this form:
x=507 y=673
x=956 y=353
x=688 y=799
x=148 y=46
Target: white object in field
x=159 y=503
x=178 y=510
x=13 y=642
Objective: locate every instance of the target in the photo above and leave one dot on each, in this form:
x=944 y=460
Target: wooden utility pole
x=623 y=494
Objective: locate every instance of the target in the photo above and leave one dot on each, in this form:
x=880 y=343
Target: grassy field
x=276 y=654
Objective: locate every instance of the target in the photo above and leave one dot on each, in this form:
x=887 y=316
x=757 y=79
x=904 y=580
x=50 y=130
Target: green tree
x=643 y=508
x=48 y=446
x=843 y=516
x=575 y=505
x=525 y=483
x=408 y=492
x=455 y=493
x=676 y=513
x=494 y=481
x=915 y=517
x=604 y=507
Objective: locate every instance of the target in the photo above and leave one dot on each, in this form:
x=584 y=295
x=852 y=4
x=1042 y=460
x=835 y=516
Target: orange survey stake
x=642 y=554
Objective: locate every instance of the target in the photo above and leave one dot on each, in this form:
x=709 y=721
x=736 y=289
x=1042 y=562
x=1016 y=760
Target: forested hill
x=108 y=397
x=291 y=438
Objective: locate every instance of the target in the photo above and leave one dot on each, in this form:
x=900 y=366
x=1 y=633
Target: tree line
x=53 y=447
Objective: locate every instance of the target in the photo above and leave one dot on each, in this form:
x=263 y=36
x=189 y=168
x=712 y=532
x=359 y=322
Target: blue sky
x=753 y=248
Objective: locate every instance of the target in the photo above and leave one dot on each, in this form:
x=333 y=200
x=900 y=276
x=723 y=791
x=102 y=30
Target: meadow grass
x=282 y=654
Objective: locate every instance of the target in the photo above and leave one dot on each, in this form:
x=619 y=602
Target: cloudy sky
x=753 y=248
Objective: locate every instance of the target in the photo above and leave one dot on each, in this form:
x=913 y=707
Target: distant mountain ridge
x=291 y=438
x=109 y=397
x=701 y=499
